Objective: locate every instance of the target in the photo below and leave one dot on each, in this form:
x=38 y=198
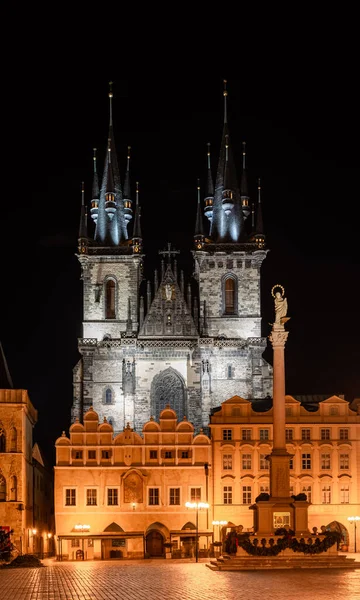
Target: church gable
x=169 y=314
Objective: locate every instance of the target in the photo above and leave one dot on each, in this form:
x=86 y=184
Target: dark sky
x=302 y=134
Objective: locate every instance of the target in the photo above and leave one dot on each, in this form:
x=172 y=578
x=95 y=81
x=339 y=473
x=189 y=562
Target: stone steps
x=254 y=563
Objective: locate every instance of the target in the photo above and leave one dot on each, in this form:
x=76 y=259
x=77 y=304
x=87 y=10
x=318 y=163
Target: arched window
x=13 y=440
x=2 y=488
x=2 y=439
x=110 y=299
x=230 y=295
x=108 y=396
x=13 y=489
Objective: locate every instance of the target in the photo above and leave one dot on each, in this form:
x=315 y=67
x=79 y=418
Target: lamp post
x=219 y=523
x=197 y=506
x=354 y=520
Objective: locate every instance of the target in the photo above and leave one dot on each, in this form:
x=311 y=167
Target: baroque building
x=194 y=343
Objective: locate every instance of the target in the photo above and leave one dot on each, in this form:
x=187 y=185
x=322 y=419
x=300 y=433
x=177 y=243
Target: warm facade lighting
x=81 y=527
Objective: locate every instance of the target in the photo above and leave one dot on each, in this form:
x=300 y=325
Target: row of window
x=306 y=461
x=3 y=488
x=113 y=496
x=305 y=434
x=153 y=454
x=174 y=495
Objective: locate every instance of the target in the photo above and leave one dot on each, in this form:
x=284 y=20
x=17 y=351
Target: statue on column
x=281 y=305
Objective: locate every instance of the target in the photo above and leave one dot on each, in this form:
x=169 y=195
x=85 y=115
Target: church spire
x=127 y=190
x=209 y=198
x=259 y=230
x=137 y=237
x=244 y=194
x=225 y=101
x=95 y=192
x=83 y=236
x=199 y=227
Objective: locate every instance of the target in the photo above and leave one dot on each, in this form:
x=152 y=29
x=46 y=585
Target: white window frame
x=91 y=487
x=227 y=461
x=174 y=487
x=264 y=434
x=195 y=487
x=153 y=487
x=70 y=487
x=112 y=487
x=227 y=494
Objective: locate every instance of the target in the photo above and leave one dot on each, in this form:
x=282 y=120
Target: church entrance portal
x=155 y=544
x=168 y=389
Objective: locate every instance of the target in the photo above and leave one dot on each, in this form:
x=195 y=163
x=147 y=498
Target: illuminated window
x=326 y=494
x=154 y=497
x=305 y=434
x=264 y=434
x=344 y=461
x=246 y=494
x=91 y=497
x=110 y=299
x=195 y=494
x=263 y=462
x=70 y=497
x=325 y=434
x=246 y=461
x=344 y=434
x=246 y=434
x=113 y=497
x=325 y=461
x=289 y=434
x=306 y=461
x=307 y=489
x=344 y=494
x=227 y=494
x=227 y=462
x=174 y=496
x=227 y=434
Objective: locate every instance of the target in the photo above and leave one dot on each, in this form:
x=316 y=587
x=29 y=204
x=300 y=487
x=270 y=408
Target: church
x=191 y=341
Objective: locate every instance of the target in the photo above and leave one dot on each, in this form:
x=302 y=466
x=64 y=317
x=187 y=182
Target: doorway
x=155 y=544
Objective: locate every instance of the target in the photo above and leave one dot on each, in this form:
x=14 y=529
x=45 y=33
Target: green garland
x=288 y=541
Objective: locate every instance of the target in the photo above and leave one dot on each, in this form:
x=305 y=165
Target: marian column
x=279 y=458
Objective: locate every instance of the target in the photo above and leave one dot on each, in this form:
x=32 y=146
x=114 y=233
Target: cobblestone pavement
x=171 y=579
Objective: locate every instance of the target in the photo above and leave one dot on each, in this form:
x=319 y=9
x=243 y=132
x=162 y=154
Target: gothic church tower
x=143 y=351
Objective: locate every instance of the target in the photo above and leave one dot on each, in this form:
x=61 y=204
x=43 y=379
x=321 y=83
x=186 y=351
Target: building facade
x=124 y=495
x=197 y=339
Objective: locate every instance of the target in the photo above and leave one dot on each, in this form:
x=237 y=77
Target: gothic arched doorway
x=155 y=543
x=168 y=388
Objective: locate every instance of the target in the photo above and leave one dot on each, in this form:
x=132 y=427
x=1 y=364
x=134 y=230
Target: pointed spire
x=95 y=192
x=110 y=206
x=83 y=237
x=148 y=295
x=259 y=230
x=209 y=198
x=127 y=191
x=110 y=103
x=199 y=226
x=5 y=377
x=244 y=194
x=182 y=281
x=137 y=237
x=141 y=311
x=227 y=194
x=156 y=281
x=189 y=296
x=225 y=101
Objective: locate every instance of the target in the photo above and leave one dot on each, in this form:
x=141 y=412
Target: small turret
x=244 y=194
x=227 y=194
x=95 y=192
x=137 y=238
x=127 y=192
x=199 y=228
x=83 y=237
x=209 y=198
x=110 y=205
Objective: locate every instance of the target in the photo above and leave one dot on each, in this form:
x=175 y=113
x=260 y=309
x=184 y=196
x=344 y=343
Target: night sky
x=302 y=135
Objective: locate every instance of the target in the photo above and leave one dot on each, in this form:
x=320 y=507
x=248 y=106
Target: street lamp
x=197 y=506
x=353 y=520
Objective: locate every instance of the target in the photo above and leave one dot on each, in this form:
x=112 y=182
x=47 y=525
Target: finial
x=129 y=148
x=110 y=99
x=226 y=148
x=259 y=190
x=94 y=159
x=82 y=193
x=225 y=103
x=208 y=155
x=244 y=155
x=252 y=215
x=137 y=192
x=109 y=149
